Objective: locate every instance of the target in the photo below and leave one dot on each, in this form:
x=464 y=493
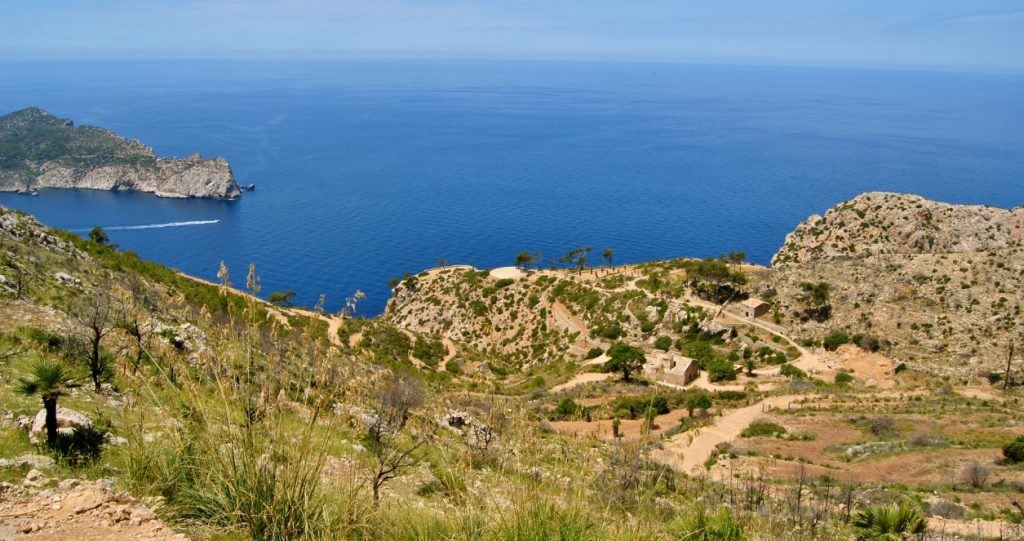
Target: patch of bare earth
x=76 y=511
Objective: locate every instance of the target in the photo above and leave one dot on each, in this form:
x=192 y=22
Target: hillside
x=938 y=284
x=484 y=404
x=39 y=150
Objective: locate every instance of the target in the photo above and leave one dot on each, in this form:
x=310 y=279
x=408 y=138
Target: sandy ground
x=77 y=512
x=866 y=366
x=502 y=273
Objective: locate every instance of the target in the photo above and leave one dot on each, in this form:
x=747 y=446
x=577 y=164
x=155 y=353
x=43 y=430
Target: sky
x=975 y=35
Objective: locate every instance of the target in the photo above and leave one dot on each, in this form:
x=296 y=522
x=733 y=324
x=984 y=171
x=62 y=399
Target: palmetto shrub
x=889 y=522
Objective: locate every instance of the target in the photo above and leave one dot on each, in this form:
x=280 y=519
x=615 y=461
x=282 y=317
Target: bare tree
x=394 y=449
x=97 y=314
x=137 y=304
x=486 y=430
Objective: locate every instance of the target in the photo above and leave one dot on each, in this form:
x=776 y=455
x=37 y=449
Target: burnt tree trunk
x=50 y=405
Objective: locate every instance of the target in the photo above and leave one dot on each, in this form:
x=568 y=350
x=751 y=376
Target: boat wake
x=156 y=226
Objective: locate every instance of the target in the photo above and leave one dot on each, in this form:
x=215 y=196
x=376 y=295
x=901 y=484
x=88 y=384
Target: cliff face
x=39 y=150
x=941 y=283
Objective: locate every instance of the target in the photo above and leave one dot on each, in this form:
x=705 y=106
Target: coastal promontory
x=39 y=150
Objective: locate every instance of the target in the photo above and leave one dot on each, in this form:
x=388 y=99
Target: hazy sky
x=967 y=34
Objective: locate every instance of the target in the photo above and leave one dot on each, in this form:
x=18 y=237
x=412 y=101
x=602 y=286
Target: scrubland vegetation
x=552 y=404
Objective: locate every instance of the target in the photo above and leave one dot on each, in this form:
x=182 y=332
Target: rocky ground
x=939 y=284
x=43 y=509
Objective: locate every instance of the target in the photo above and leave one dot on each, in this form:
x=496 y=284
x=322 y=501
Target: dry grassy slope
x=941 y=282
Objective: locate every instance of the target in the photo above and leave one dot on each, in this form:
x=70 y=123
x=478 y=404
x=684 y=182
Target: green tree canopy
x=626 y=359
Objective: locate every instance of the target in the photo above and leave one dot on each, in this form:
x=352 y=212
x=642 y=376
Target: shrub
x=594 y=353
x=565 y=409
x=82 y=446
x=633 y=407
x=646 y=326
x=389 y=341
x=889 y=521
x=663 y=343
x=843 y=378
x=1014 y=451
x=869 y=343
x=703 y=525
x=453 y=367
x=611 y=332
x=790 y=371
x=503 y=283
x=881 y=426
x=976 y=474
x=763 y=428
x=834 y=340
x=946 y=509
x=721 y=370
x=429 y=351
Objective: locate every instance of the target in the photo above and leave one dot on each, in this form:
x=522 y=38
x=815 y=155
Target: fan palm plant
x=47 y=381
x=889 y=522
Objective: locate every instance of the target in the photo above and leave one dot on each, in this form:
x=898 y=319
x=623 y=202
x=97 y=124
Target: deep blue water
x=367 y=170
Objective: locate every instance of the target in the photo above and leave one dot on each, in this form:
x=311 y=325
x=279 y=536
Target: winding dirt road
x=687 y=452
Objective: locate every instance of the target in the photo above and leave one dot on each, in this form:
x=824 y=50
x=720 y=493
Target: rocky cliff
x=938 y=283
x=39 y=150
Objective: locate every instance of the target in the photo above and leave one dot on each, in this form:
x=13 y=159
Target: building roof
x=753 y=303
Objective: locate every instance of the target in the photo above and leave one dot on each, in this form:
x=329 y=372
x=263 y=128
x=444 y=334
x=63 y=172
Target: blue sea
x=366 y=170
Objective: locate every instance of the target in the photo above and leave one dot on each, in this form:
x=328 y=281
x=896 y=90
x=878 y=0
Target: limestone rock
x=53 y=153
x=67 y=421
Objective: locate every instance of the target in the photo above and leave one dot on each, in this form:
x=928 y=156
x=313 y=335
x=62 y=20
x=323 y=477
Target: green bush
x=763 y=428
x=721 y=370
x=429 y=351
x=389 y=341
x=663 y=343
x=503 y=283
x=790 y=371
x=1014 y=451
x=453 y=367
x=594 y=353
x=611 y=332
x=889 y=522
x=565 y=409
x=633 y=407
x=842 y=378
x=835 y=339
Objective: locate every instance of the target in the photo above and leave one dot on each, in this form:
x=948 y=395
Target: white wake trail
x=156 y=226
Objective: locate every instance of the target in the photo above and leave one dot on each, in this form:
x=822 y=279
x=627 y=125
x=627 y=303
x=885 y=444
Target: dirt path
x=688 y=452
x=580 y=379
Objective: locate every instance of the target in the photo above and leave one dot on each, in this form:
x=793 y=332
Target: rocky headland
x=39 y=150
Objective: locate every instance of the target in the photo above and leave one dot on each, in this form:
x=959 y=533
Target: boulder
x=67 y=421
x=67 y=279
x=27 y=461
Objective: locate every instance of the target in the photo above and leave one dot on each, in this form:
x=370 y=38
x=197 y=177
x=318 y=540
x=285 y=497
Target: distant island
x=39 y=150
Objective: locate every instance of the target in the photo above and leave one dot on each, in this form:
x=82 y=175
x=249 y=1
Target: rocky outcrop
x=39 y=150
x=936 y=283
x=879 y=223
